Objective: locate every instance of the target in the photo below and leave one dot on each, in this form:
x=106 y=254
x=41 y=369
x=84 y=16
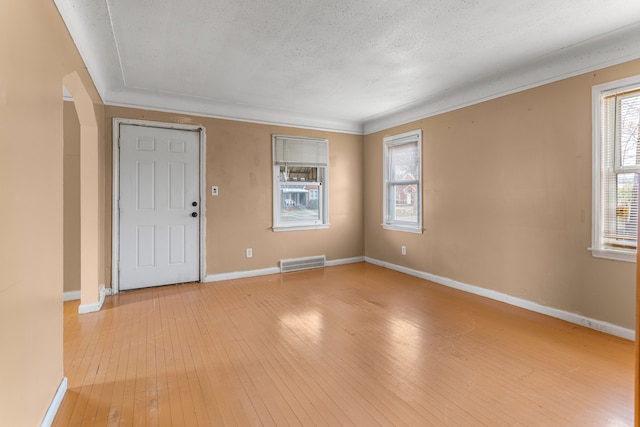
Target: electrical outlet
x=249 y=252
x=404 y=250
x=214 y=190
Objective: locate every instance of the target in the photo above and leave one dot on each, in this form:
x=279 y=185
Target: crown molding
x=613 y=48
x=228 y=111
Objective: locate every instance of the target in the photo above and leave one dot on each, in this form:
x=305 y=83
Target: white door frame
x=115 y=209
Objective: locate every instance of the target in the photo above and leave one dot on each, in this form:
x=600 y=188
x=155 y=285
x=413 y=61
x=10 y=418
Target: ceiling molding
x=96 y=53
x=227 y=111
x=611 y=49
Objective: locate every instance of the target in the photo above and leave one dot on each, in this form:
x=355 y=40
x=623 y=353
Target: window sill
x=626 y=256
x=406 y=229
x=300 y=227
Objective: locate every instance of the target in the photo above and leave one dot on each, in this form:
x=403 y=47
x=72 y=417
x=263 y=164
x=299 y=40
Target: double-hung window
x=300 y=183
x=616 y=164
x=402 y=182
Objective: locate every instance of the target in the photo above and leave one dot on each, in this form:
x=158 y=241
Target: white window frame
x=395 y=141
x=323 y=181
x=598 y=248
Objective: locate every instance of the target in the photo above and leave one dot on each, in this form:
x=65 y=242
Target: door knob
x=194 y=214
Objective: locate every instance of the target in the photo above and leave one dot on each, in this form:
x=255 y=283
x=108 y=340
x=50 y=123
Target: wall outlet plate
x=249 y=252
x=404 y=250
x=214 y=190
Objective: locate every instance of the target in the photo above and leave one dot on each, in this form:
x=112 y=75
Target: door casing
x=115 y=209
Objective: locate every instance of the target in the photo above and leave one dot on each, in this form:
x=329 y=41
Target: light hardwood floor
x=354 y=345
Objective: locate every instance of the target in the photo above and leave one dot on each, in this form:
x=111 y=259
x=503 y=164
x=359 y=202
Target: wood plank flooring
x=353 y=345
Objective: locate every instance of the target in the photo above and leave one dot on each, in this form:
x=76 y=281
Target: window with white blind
x=402 y=198
x=616 y=164
x=300 y=183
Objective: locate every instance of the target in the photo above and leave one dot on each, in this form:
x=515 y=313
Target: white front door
x=159 y=206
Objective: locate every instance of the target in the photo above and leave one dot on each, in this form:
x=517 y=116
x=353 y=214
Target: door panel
x=145 y=246
x=176 y=186
x=176 y=245
x=145 y=190
x=159 y=182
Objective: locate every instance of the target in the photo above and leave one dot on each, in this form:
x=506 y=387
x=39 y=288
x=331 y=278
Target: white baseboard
x=241 y=274
x=343 y=261
x=71 y=296
x=96 y=306
x=598 y=325
x=271 y=270
x=55 y=404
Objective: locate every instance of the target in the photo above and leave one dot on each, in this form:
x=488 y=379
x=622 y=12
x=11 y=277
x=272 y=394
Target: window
x=299 y=183
x=616 y=163
x=402 y=182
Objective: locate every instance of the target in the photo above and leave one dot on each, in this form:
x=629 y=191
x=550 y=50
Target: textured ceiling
x=350 y=65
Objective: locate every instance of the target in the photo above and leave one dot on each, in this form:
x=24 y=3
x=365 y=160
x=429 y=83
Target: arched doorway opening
x=91 y=292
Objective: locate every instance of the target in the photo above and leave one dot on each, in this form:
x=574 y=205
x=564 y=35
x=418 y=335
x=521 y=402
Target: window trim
x=394 y=141
x=597 y=92
x=323 y=180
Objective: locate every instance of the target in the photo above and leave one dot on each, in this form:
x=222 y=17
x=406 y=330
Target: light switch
x=214 y=190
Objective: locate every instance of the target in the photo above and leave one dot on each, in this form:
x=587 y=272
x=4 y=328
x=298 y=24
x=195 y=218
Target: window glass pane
x=404 y=203
x=298 y=174
x=629 y=110
x=404 y=162
x=299 y=201
x=626 y=223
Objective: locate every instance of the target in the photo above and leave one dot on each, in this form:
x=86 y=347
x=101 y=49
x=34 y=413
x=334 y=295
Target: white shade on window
x=301 y=151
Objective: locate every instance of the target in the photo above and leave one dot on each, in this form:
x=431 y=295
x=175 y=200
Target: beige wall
x=507 y=201
x=36 y=52
x=71 y=132
x=239 y=162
